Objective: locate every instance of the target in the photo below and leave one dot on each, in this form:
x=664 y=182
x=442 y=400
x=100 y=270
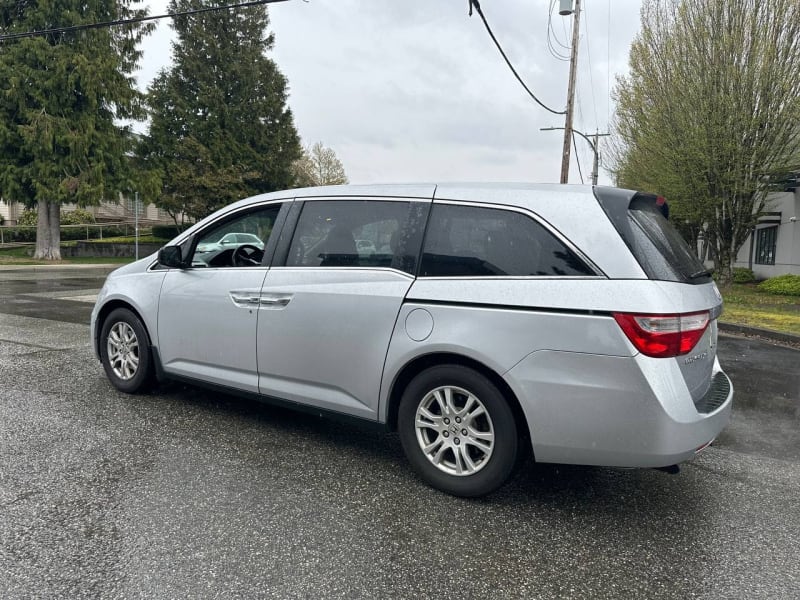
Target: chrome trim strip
x=344 y=270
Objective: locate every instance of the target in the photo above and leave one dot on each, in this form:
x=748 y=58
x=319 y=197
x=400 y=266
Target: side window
x=353 y=233
x=465 y=241
x=238 y=241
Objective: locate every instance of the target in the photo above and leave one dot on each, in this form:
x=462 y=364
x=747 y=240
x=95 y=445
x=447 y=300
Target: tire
x=125 y=351
x=467 y=427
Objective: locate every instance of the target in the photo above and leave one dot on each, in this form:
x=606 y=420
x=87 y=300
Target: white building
x=774 y=249
x=120 y=211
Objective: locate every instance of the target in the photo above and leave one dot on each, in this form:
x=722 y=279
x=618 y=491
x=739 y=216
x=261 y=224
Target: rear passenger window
x=465 y=241
x=353 y=233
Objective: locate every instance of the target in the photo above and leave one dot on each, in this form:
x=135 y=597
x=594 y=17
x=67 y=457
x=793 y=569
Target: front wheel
x=125 y=351
x=458 y=431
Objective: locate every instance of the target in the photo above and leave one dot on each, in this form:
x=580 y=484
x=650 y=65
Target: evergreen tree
x=220 y=126
x=62 y=95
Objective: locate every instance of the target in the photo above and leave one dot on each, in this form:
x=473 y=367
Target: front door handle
x=245 y=299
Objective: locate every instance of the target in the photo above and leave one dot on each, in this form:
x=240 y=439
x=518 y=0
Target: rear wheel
x=125 y=351
x=458 y=431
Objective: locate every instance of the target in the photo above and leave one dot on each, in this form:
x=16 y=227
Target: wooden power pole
x=573 y=69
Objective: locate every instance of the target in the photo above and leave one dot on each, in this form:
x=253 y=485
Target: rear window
x=660 y=249
x=466 y=241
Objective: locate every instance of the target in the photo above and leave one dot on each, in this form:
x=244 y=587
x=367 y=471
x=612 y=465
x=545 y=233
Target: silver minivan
x=479 y=321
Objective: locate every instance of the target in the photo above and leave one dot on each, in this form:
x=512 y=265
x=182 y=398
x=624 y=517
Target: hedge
x=785 y=285
x=28 y=234
x=165 y=232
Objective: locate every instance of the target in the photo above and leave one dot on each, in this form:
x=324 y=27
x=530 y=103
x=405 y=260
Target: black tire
x=135 y=345
x=494 y=467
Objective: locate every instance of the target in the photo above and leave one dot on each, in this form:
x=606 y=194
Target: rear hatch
x=688 y=337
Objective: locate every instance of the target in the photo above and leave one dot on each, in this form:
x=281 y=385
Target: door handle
x=275 y=300
x=245 y=299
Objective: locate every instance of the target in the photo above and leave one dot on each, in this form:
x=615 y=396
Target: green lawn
x=746 y=305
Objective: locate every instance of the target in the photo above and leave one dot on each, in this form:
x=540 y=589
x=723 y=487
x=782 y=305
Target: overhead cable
x=577 y=158
x=115 y=23
x=477 y=6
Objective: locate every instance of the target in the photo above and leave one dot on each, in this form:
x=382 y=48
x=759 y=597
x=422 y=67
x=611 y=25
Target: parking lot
x=187 y=493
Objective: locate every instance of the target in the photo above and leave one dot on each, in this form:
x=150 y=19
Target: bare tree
x=319 y=166
x=709 y=113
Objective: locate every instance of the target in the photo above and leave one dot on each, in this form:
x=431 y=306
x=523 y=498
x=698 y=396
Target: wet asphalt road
x=186 y=493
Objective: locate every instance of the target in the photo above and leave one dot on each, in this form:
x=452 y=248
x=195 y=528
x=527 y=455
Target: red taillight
x=663 y=336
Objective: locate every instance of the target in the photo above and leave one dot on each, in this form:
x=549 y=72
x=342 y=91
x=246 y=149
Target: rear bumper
x=616 y=411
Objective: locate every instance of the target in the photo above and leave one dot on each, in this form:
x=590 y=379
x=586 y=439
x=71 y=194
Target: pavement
x=188 y=493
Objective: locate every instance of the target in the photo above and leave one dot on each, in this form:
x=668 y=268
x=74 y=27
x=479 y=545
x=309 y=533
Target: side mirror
x=170 y=256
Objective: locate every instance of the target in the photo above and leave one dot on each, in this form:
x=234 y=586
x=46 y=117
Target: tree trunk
x=723 y=264
x=48 y=231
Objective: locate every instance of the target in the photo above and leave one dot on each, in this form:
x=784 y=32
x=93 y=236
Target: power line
x=577 y=158
x=552 y=38
x=589 y=62
x=117 y=22
x=477 y=6
x=608 y=68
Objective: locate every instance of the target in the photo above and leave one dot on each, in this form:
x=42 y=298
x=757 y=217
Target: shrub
x=77 y=217
x=742 y=275
x=785 y=285
x=20 y=234
x=165 y=232
x=28 y=218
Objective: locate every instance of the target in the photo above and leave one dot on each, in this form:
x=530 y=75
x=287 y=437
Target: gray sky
x=416 y=91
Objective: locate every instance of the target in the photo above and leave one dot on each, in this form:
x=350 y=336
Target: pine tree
x=220 y=127
x=62 y=96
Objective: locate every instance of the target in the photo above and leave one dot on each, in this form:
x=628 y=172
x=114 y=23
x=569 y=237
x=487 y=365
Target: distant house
x=774 y=247
x=121 y=211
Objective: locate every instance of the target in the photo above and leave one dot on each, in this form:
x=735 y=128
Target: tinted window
x=485 y=242
x=659 y=248
x=216 y=245
x=354 y=233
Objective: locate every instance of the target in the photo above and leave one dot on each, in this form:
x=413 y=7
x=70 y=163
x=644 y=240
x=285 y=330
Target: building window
x=766 y=240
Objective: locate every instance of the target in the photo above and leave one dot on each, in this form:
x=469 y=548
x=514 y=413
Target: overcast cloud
x=416 y=91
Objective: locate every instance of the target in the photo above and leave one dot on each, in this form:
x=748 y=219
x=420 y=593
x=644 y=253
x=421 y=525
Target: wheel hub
x=454 y=430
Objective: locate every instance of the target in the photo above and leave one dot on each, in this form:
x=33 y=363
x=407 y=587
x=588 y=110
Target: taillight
x=664 y=336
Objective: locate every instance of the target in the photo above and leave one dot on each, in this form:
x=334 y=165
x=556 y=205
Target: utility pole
x=136 y=221
x=593 y=144
x=573 y=69
x=596 y=148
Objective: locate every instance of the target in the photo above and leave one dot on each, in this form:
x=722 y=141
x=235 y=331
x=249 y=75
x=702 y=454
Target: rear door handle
x=275 y=301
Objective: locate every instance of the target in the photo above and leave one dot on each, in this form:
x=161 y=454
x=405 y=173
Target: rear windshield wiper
x=703 y=273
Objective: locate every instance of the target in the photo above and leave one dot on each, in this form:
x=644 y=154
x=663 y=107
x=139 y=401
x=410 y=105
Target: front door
x=208 y=313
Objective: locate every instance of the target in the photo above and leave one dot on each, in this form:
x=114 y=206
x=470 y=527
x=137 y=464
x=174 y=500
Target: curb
x=767 y=334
